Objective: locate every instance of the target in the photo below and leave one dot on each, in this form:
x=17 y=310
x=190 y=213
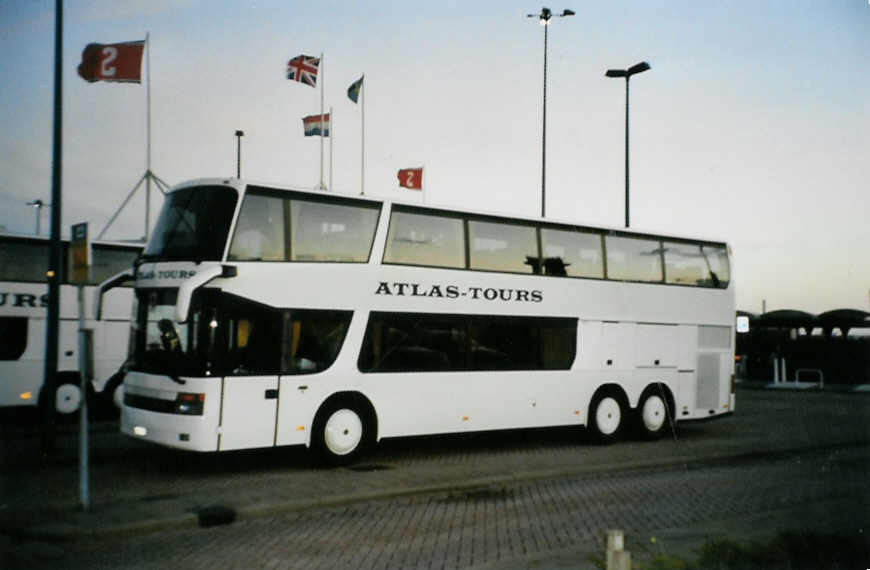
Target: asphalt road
x=785 y=460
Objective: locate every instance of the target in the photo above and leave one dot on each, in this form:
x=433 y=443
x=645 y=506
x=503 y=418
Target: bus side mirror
x=743 y=324
x=110 y=283
x=185 y=291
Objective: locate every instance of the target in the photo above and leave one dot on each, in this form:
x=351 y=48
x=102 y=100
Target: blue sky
x=751 y=127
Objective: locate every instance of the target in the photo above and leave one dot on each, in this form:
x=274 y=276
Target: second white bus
x=23 y=314
x=269 y=316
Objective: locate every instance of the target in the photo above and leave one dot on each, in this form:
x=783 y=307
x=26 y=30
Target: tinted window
x=227 y=335
x=312 y=339
x=572 y=253
x=13 y=331
x=400 y=342
x=331 y=232
x=685 y=264
x=425 y=239
x=498 y=246
x=696 y=264
x=720 y=271
x=279 y=226
x=193 y=225
x=633 y=259
x=259 y=234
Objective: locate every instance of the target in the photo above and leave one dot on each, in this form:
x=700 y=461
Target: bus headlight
x=189 y=404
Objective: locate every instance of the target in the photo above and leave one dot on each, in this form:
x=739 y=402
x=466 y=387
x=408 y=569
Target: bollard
x=617 y=557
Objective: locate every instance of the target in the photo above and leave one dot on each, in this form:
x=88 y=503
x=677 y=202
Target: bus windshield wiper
x=176 y=379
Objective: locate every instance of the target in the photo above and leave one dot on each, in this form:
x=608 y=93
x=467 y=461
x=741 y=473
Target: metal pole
x=626 y=151
x=331 y=146
x=148 y=134
x=55 y=261
x=544 y=135
x=84 y=490
x=322 y=79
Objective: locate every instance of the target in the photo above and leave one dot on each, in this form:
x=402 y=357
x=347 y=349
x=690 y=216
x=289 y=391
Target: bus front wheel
x=341 y=432
x=606 y=416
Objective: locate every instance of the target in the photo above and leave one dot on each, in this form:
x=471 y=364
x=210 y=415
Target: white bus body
x=398 y=348
x=23 y=314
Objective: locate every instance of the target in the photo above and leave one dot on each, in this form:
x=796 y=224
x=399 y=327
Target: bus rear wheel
x=341 y=432
x=653 y=414
x=606 y=416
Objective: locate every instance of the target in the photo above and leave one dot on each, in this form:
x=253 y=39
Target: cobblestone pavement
x=484 y=499
x=538 y=524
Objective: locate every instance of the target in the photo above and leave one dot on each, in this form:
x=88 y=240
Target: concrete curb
x=70 y=531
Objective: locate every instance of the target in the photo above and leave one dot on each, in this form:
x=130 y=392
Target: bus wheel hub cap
x=608 y=416
x=653 y=413
x=68 y=398
x=343 y=432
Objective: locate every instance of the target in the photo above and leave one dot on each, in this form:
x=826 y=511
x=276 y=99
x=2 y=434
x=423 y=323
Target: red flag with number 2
x=112 y=62
x=411 y=178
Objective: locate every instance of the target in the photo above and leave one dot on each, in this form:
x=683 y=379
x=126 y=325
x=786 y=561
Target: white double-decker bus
x=23 y=318
x=270 y=316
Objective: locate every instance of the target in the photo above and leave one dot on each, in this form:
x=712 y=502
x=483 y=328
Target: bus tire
x=654 y=412
x=607 y=415
x=341 y=431
x=68 y=397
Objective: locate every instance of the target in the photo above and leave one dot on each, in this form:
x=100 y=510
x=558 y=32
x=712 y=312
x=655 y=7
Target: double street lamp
x=627 y=73
x=544 y=16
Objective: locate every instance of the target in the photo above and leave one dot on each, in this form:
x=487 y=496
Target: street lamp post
x=627 y=73
x=544 y=16
x=239 y=135
x=38 y=205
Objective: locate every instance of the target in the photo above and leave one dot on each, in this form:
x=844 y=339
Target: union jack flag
x=303 y=68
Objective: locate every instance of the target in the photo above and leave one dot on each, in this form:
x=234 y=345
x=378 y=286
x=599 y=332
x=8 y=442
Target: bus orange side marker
x=300 y=428
x=465 y=418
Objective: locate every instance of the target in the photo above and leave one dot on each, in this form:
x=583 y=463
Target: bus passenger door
x=248 y=412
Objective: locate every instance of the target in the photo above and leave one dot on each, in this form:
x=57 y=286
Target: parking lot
x=781 y=451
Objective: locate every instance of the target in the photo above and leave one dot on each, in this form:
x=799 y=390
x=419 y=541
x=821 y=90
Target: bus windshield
x=193 y=225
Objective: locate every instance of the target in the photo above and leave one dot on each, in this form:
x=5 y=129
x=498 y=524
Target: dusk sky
x=752 y=127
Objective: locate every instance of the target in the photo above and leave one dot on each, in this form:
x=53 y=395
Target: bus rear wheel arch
x=654 y=412
x=343 y=428
x=607 y=414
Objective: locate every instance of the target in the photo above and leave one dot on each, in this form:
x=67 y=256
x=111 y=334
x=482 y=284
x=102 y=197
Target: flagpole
x=331 y=139
x=362 y=176
x=148 y=133
x=322 y=73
